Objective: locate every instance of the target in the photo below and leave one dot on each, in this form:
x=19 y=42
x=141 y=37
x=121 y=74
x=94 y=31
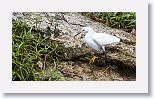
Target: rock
x=63 y=26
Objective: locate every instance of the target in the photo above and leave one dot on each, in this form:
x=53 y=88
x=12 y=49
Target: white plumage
x=98 y=41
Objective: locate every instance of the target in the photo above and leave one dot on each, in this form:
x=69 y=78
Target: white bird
x=98 y=41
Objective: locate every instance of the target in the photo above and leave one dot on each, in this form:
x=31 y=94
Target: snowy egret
x=98 y=41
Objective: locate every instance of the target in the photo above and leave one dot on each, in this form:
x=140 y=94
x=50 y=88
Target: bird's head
x=84 y=30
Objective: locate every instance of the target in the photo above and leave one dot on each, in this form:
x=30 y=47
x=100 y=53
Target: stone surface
x=63 y=26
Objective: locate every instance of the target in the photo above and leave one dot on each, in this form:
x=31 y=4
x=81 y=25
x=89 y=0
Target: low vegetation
x=32 y=54
x=119 y=20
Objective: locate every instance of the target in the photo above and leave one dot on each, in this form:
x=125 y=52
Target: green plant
x=51 y=74
x=29 y=47
x=120 y=20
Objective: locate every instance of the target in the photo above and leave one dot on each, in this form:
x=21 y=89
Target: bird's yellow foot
x=105 y=71
x=92 y=60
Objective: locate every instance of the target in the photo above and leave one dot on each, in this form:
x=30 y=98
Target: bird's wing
x=104 y=39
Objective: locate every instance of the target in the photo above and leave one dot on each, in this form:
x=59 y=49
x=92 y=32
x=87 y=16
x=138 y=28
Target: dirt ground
x=75 y=71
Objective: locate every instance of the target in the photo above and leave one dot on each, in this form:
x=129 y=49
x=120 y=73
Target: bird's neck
x=91 y=32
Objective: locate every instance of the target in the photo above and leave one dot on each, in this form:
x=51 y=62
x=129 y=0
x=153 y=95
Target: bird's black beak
x=77 y=34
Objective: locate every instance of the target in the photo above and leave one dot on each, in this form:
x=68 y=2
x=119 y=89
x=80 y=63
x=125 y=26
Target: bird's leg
x=105 y=71
x=105 y=58
x=107 y=68
x=92 y=60
x=104 y=53
x=103 y=47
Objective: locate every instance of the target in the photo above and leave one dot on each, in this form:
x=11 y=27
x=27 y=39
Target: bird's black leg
x=105 y=58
